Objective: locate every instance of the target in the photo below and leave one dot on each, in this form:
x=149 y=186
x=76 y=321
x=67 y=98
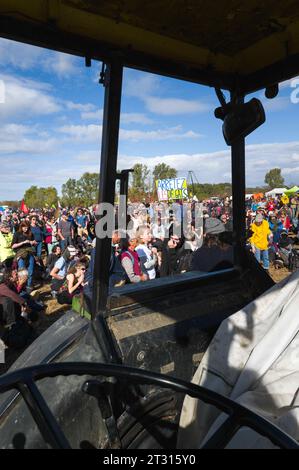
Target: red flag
x=23 y=207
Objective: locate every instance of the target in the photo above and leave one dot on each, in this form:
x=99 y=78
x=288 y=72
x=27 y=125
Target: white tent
x=275 y=192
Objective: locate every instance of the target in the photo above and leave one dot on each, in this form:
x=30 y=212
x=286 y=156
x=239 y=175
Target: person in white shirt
x=147 y=254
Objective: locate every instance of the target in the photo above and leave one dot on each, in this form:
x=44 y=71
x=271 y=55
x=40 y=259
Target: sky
x=51 y=109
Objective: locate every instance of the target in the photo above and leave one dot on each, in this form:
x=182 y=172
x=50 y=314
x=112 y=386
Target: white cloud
x=93 y=115
x=290 y=171
x=30 y=146
x=141 y=86
x=214 y=167
x=148 y=87
x=93 y=132
x=26 y=57
x=125 y=118
x=89 y=156
x=291 y=83
x=26 y=98
x=62 y=65
x=89 y=133
x=15 y=138
x=84 y=108
x=276 y=104
x=138 y=118
x=173 y=133
x=172 y=106
x=19 y=55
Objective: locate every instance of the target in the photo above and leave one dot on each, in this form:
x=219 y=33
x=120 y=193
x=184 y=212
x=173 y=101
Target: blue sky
x=52 y=114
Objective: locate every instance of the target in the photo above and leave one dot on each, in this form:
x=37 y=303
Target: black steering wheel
x=238 y=416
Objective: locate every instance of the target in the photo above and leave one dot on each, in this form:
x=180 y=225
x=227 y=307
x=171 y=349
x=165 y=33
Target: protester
x=73 y=284
x=24 y=245
x=60 y=269
x=13 y=317
x=81 y=222
x=130 y=261
x=51 y=233
x=259 y=240
x=65 y=231
x=147 y=254
x=38 y=233
x=6 y=237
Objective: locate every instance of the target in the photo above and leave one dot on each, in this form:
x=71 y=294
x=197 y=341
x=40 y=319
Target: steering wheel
x=238 y=416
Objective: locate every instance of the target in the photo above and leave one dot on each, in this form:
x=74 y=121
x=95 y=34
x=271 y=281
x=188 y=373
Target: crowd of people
x=59 y=248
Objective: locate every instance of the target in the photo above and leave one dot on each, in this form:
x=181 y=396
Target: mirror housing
x=242 y=119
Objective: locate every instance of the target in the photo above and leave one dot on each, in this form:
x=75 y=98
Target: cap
x=214 y=226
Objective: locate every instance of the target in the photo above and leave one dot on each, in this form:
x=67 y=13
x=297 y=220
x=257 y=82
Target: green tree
x=163 y=171
x=70 y=193
x=88 y=188
x=50 y=196
x=274 y=179
x=31 y=197
x=140 y=177
x=40 y=197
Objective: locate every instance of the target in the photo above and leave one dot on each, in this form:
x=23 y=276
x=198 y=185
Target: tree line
x=142 y=186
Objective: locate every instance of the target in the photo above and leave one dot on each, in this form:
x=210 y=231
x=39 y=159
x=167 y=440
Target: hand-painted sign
x=174 y=188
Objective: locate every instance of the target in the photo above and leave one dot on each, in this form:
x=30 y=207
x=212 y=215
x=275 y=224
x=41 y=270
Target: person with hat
x=6 y=252
x=214 y=254
x=259 y=240
x=213 y=226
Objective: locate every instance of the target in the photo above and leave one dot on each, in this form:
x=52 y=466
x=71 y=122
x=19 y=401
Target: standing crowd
x=59 y=247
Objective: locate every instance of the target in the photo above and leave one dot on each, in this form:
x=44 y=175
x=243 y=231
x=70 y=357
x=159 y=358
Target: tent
x=275 y=192
x=293 y=190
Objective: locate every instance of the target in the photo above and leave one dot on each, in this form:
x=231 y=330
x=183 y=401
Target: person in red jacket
x=285 y=220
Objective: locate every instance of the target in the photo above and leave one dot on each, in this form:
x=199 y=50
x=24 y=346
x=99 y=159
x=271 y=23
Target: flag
x=23 y=207
x=59 y=206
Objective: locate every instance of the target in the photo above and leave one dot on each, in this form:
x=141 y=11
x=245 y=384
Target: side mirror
x=242 y=119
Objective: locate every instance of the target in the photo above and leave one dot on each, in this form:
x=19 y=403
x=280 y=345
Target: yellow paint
x=69 y=17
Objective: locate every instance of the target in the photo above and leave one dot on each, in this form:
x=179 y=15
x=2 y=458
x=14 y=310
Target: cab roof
x=234 y=44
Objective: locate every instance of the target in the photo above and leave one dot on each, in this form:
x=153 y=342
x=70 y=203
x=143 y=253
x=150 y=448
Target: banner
x=171 y=189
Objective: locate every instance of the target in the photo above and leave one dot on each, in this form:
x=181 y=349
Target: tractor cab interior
x=153 y=336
